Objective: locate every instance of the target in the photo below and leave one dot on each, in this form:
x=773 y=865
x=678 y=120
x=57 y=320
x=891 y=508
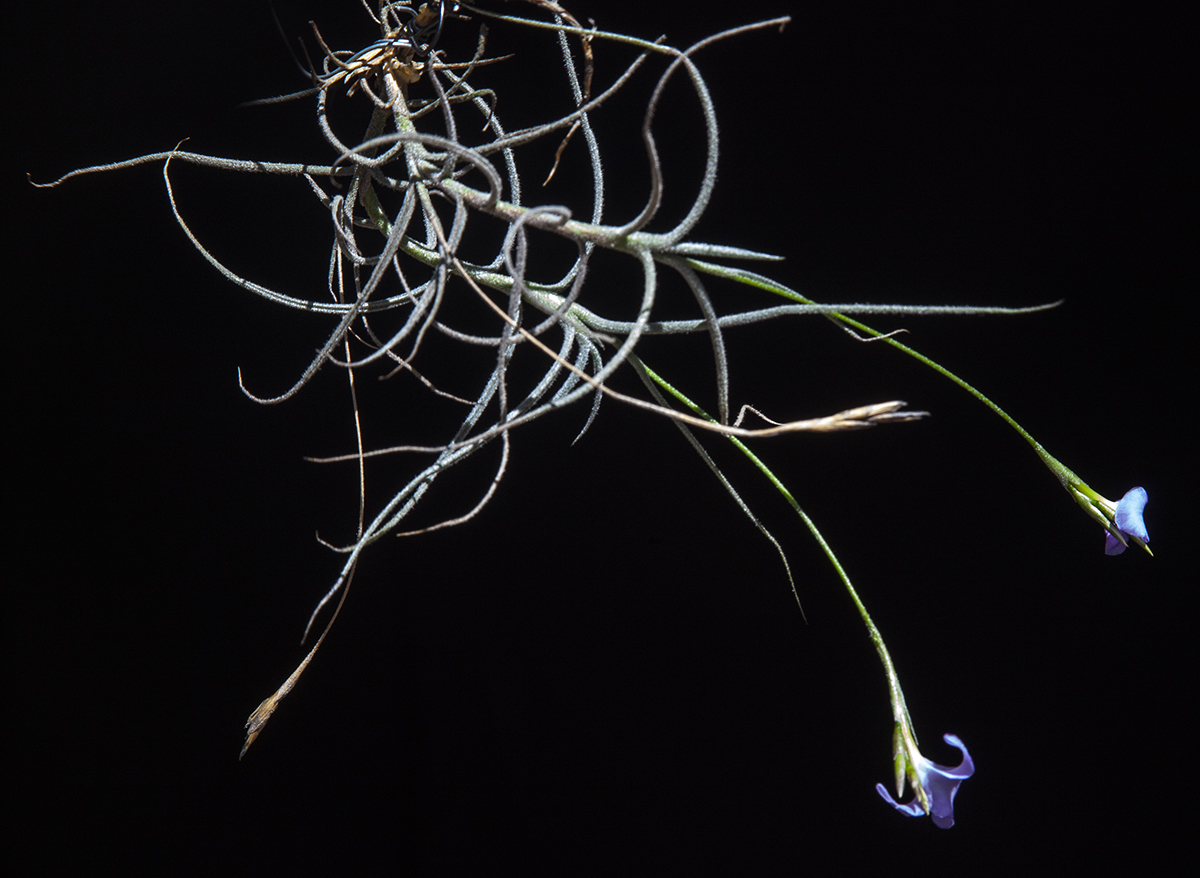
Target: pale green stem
x=895 y=693
x=1062 y=473
x=1099 y=508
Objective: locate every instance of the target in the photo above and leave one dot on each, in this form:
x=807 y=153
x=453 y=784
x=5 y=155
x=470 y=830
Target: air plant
x=404 y=199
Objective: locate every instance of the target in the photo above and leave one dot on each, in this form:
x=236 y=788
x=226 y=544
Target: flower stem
x=895 y=693
x=1064 y=475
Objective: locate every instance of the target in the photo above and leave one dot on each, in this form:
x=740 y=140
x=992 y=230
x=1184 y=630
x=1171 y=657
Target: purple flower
x=938 y=785
x=1127 y=522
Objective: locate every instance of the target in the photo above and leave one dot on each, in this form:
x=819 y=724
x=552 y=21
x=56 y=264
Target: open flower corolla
x=1123 y=519
x=1127 y=523
x=938 y=785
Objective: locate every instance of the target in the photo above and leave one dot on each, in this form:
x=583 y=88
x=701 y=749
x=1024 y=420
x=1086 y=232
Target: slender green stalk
x=1098 y=507
x=905 y=739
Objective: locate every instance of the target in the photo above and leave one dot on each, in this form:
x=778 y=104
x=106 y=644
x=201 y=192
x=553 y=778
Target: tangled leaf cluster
x=404 y=201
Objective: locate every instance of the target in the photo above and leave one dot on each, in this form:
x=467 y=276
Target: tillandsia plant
x=413 y=202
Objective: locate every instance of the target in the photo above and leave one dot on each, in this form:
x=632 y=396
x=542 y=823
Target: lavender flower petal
x=1129 y=514
x=1112 y=546
x=912 y=809
x=942 y=784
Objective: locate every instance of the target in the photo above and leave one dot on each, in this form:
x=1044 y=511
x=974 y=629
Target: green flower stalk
x=934 y=786
x=1122 y=520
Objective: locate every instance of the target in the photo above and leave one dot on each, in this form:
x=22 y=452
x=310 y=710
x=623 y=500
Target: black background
x=606 y=671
